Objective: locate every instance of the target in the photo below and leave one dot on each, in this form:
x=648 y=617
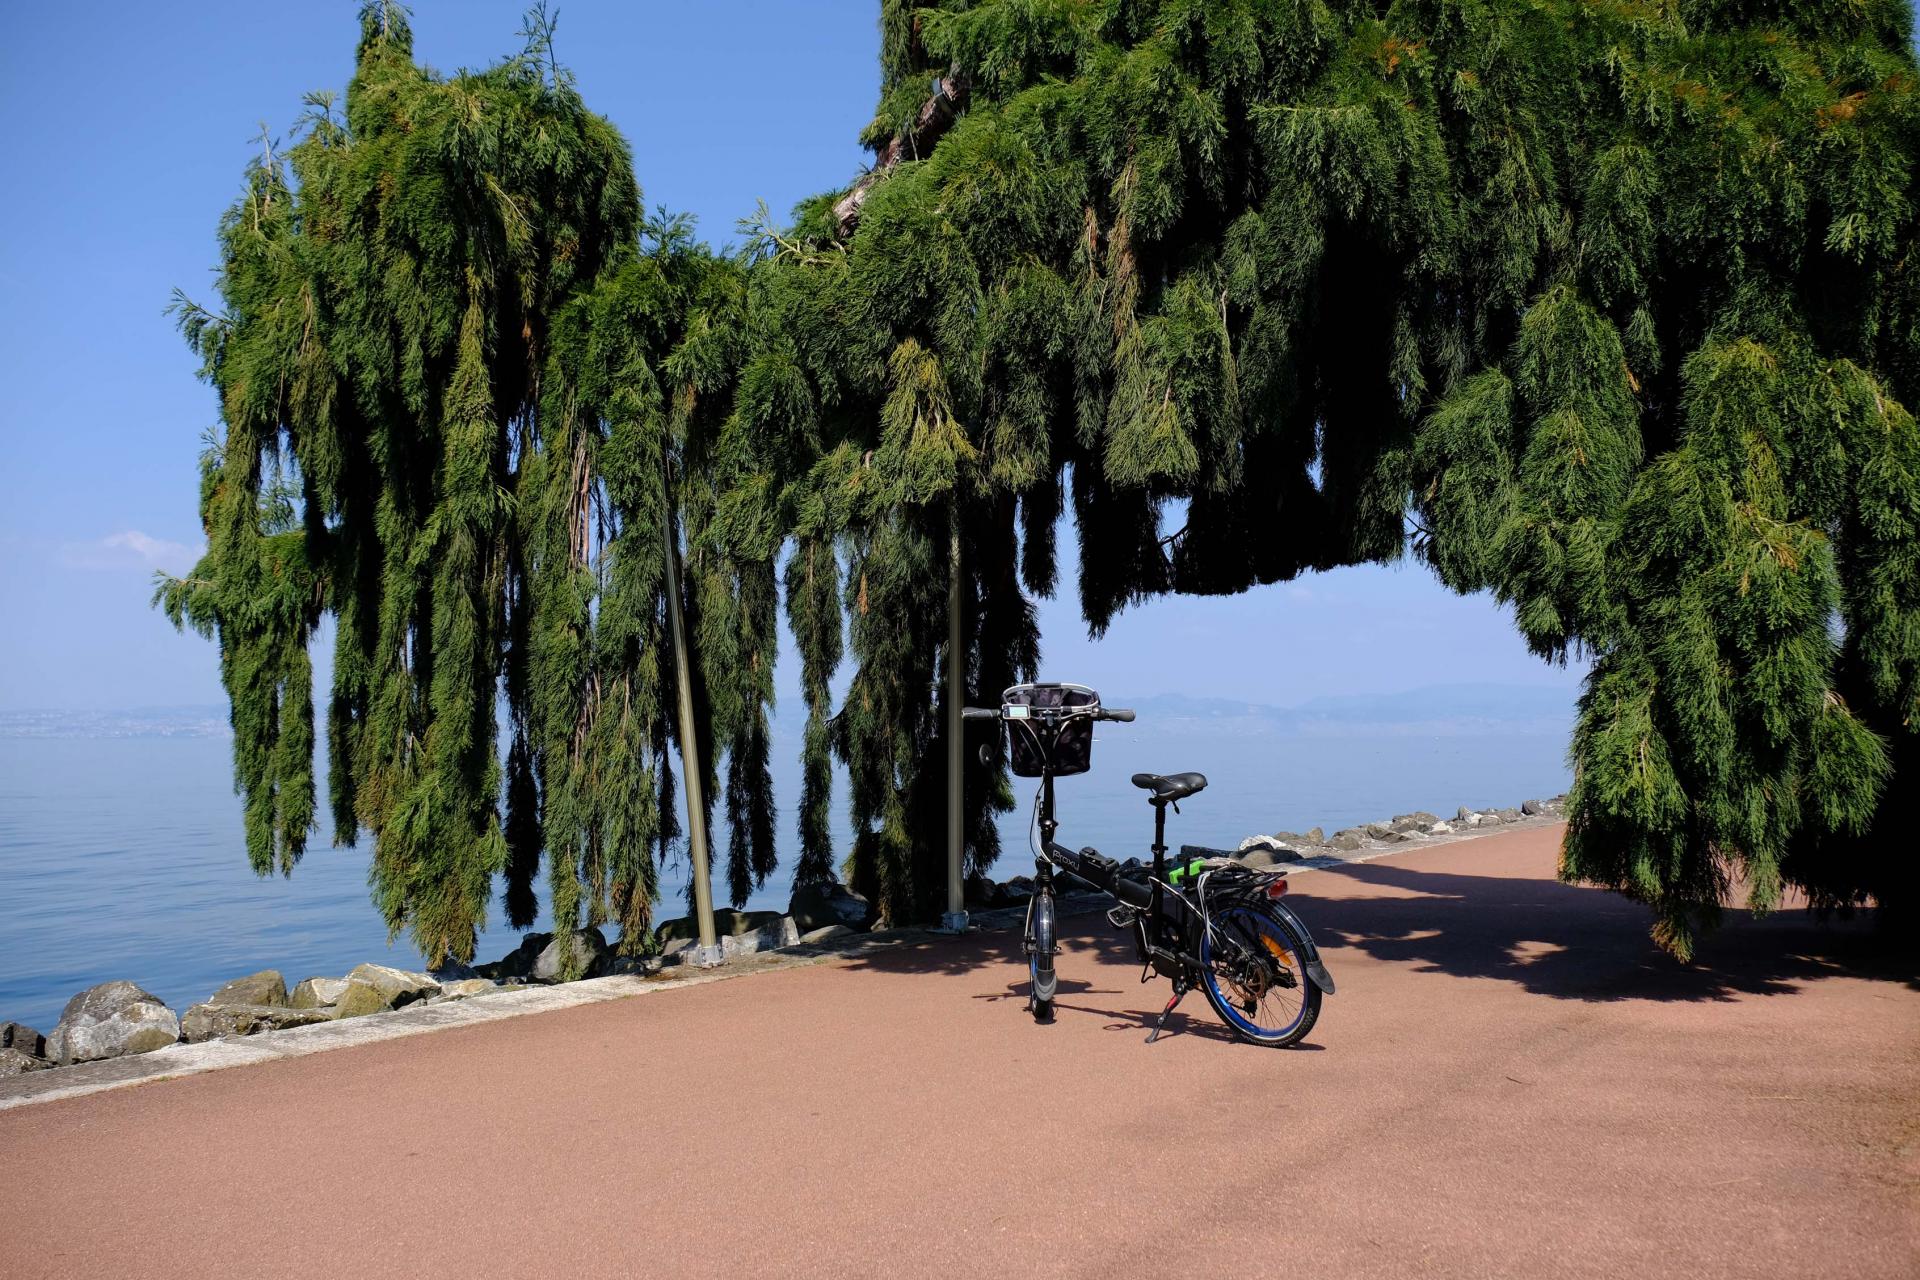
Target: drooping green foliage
x=462 y=407
x=1608 y=309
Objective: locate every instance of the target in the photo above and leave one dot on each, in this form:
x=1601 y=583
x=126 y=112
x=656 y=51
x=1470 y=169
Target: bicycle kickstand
x=1179 y=991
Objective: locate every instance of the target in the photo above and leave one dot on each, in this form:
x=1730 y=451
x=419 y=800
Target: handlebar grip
x=979 y=713
x=1123 y=714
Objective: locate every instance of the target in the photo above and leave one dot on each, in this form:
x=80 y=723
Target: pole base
x=705 y=957
x=953 y=922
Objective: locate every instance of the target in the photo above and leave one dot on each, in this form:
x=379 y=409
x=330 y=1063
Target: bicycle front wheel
x=1042 y=981
x=1255 y=977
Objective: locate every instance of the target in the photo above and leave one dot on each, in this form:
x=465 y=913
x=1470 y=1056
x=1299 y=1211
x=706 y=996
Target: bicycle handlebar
x=1121 y=714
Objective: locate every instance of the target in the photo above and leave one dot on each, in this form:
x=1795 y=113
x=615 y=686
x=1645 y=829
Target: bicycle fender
x=1316 y=970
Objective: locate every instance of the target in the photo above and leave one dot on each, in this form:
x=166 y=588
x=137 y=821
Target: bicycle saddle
x=1170 y=786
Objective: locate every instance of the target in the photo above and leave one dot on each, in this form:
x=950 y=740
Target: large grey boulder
x=728 y=923
x=517 y=963
x=112 y=1020
x=819 y=903
x=17 y=1062
x=671 y=935
x=466 y=989
x=729 y=926
x=771 y=936
x=213 y=1021
x=400 y=986
x=357 y=999
x=375 y=988
x=266 y=987
x=1267 y=854
x=317 y=993
x=1532 y=808
x=981 y=892
x=589 y=948
x=1287 y=839
x=17 y=1035
x=1419 y=820
x=826 y=934
x=1349 y=840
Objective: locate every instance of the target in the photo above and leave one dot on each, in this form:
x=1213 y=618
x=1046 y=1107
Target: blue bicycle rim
x=1227 y=1004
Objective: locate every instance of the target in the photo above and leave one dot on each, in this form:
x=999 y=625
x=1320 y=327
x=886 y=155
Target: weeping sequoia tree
x=1604 y=308
x=460 y=384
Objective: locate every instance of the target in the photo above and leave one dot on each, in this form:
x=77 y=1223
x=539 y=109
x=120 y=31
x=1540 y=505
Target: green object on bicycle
x=1191 y=869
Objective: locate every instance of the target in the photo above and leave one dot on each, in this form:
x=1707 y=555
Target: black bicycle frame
x=1180 y=961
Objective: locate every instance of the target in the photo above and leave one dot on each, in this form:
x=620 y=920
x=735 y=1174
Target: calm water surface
x=123 y=857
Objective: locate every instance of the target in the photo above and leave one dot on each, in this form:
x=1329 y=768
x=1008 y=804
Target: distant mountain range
x=1457 y=708
x=1437 y=709
x=136 y=722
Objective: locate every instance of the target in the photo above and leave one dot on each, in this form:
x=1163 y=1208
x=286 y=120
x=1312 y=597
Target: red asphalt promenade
x=1510 y=1082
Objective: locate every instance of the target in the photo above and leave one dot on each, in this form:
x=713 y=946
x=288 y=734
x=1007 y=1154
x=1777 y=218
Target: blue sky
x=129 y=128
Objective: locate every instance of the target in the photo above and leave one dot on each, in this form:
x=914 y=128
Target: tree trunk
x=709 y=948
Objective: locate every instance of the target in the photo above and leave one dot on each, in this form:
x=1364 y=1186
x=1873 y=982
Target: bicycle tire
x=1230 y=1003
x=1043 y=983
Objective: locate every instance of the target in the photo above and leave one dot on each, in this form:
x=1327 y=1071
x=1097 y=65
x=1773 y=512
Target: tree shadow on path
x=1580 y=943
x=1565 y=941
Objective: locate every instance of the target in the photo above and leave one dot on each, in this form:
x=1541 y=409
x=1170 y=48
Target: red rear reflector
x=1278 y=889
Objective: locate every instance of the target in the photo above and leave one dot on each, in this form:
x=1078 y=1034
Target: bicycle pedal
x=1122 y=917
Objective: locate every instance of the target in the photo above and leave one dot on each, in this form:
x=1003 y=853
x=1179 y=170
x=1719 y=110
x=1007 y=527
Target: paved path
x=1510 y=1082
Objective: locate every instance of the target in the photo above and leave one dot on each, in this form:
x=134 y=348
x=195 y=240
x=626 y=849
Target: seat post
x=1159 y=855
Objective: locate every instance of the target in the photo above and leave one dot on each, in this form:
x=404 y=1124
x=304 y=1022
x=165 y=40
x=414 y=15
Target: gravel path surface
x=1511 y=1081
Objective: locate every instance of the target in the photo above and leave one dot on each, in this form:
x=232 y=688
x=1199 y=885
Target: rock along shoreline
x=106 y=1025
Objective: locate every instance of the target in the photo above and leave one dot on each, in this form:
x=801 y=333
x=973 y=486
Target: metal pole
x=707 y=954
x=956 y=917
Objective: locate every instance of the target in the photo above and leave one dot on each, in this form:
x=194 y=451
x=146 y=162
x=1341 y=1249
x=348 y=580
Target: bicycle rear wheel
x=1255 y=976
x=1042 y=981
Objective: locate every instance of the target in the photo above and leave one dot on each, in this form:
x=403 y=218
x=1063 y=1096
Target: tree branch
x=936 y=116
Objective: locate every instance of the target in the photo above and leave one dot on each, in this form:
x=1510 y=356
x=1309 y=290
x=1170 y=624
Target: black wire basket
x=1049 y=728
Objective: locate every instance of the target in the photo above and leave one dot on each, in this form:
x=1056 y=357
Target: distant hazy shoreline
x=1446 y=710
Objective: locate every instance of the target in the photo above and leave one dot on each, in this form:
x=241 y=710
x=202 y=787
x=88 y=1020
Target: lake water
x=121 y=857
